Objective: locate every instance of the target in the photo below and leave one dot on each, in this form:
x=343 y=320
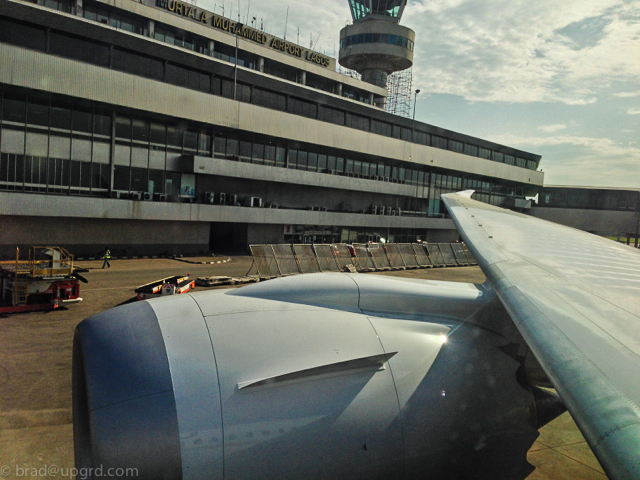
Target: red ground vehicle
x=45 y=281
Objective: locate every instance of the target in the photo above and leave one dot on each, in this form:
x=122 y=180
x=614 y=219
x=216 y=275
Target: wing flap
x=562 y=289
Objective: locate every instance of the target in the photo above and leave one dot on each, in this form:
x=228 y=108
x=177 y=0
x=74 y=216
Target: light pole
x=413 y=134
x=238 y=29
x=415 y=98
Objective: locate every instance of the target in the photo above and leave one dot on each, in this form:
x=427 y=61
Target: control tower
x=375 y=45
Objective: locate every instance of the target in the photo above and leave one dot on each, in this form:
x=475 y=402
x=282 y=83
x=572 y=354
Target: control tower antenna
x=286 y=21
x=376 y=45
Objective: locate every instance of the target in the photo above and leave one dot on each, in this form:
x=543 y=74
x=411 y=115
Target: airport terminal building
x=155 y=126
x=610 y=212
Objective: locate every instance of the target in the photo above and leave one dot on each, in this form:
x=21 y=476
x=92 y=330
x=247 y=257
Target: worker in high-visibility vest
x=106 y=256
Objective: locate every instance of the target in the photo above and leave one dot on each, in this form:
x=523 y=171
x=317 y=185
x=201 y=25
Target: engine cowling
x=314 y=376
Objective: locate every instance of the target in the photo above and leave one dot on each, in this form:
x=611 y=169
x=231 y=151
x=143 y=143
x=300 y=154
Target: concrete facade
x=88 y=237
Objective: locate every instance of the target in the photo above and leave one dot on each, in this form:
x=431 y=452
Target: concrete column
x=371 y=99
x=151 y=28
x=261 y=64
x=211 y=47
x=302 y=78
x=78 y=8
x=112 y=155
x=339 y=92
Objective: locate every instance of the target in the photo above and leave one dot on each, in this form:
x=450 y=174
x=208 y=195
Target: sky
x=560 y=79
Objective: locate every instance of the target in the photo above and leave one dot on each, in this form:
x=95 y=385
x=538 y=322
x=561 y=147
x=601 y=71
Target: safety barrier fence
x=281 y=260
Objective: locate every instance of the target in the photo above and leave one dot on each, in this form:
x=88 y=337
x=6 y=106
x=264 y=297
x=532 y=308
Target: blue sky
x=556 y=78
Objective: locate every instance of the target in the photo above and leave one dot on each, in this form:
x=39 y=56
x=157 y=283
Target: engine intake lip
x=124 y=408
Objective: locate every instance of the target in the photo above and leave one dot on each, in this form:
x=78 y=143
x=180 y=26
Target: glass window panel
x=219 y=146
x=29 y=37
x=82 y=121
x=140 y=130
x=139 y=179
x=191 y=140
x=14 y=110
x=280 y=156
x=172 y=183
x=349 y=167
x=302 y=160
x=156 y=181
x=257 y=154
x=233 y=147
x=174 y=137
x=204 y=142
x=85 y=174
x=245 y=150
x=102 y=16
x=100 y=176
x=101 y=124
x=484 y=153
x=123 y=127
x=158 y=134
x=322 y=162
x=269 y=154
x=38 y=114
x=293 y=158
x=312 y=162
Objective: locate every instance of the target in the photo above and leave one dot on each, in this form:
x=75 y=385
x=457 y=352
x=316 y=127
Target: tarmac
x=36 y=433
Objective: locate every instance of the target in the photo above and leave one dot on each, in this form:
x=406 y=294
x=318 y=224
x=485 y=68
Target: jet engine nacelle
x=328 y=376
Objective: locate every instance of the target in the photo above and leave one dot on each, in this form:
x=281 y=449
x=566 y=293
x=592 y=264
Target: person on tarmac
x=107 y=256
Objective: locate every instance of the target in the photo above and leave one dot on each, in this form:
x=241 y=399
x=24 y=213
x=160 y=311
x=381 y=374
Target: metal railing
x=285 y=259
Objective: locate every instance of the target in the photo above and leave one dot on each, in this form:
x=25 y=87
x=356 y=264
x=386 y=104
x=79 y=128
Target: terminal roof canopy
x=388 y=8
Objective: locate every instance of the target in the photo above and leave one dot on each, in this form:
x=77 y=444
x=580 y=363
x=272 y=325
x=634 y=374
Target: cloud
x=488 y=50
x=552 y=128
x=516 y=51
x=587 y=161
x=634 y=111
x=627 y=94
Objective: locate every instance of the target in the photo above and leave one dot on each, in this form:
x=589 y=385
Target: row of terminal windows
x=58 y=175
x=376 y=38
x=72 y=145
x=98 y=13
x=137 y=64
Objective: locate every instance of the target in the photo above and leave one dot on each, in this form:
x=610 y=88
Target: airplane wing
x=575 y=298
